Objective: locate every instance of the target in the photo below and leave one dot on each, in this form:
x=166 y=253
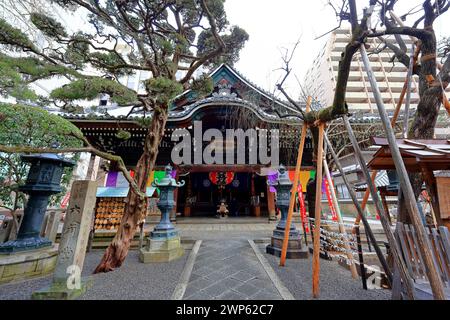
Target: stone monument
x=283 y=185
x=164 y=243
x=67 y=282
x=50 y=229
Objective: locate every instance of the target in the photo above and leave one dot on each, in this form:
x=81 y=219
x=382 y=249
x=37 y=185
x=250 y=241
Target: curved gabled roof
x=230 y=89
x=233 y=88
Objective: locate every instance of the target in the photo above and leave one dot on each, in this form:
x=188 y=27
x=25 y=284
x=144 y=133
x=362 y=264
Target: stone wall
x=27 y=264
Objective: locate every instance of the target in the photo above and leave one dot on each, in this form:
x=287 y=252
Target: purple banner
x=111 y=180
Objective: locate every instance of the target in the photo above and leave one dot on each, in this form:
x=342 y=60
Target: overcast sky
x=276 y=24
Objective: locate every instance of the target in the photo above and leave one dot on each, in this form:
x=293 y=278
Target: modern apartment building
x=320 y=80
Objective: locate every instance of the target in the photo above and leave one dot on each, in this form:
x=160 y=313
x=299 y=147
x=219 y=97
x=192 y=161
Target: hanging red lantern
x=221 y=179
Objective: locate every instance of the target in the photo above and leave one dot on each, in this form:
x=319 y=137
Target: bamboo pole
x=383 y=216
x=360 y=211
x=437 y=286
x=393 y=121
x=408 y=93
x=294 y=189
x=292 y=199
x=340 y=222
x=316 y=246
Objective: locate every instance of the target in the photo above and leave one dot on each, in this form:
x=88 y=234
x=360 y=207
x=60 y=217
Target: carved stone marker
x=67 y=282
x=50 y=229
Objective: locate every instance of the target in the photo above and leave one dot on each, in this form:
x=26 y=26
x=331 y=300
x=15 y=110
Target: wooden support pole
x=340 y=222
x=271 y=205
x=360 y=211
x=292 y=199
x=294 y=189
x=385 y=205
x=408 y=93
x=408 y=192
x=316 y=246
x=384 y=220
x=361 y=259
x=393 y=121
x=431 y=187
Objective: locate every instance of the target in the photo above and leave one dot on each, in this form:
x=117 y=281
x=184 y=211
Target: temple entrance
x=245 y=195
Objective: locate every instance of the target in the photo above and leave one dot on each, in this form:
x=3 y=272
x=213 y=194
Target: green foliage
x=144 y=122
x=123 y=135
x=17 y=72
x=163 y=90
x=77 y=50
x=33 y=127
x=190 y=13
x=11 y=81
x=202 y=86
x=12 y=36
x=89 y=89
x=108 y=61
x=234 y=42
x=48 y=25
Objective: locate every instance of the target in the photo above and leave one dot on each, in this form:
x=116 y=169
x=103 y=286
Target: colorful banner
x=111 y=180
x=155 y=175
x=65 y=200
x=326 y=186
x=302 y=207
x=121 y=181
x=303 y=177
x=117 y=179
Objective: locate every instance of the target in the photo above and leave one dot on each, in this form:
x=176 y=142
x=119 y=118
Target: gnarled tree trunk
x=430 y=92
x=135 y=204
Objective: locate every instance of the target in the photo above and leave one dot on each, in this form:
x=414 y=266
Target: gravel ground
x=336 y=283
x=133 y=281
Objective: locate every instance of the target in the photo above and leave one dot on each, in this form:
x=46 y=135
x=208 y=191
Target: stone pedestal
x=67 y=283
x=295 y=249
x=161 y=250
x=59 y=291
x=27 y=264
x=164 y=244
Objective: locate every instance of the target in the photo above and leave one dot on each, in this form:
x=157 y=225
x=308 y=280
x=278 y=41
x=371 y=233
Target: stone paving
x=229 y=270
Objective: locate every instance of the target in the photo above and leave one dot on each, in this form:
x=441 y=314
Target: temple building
x=235 y=103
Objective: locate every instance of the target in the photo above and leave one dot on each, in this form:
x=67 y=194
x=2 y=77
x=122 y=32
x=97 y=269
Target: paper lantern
x=221 y=179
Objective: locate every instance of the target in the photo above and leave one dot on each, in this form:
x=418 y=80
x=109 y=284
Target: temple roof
x=230 y=89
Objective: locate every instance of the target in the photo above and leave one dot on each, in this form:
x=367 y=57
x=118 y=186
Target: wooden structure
x=110 y=205
x=417 y=155
x=440 y=240
x=426 y=157
x=235 y=103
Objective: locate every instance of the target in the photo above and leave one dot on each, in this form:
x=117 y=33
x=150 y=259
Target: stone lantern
x=44 y=179
x=283 y=186
x=164 y=243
